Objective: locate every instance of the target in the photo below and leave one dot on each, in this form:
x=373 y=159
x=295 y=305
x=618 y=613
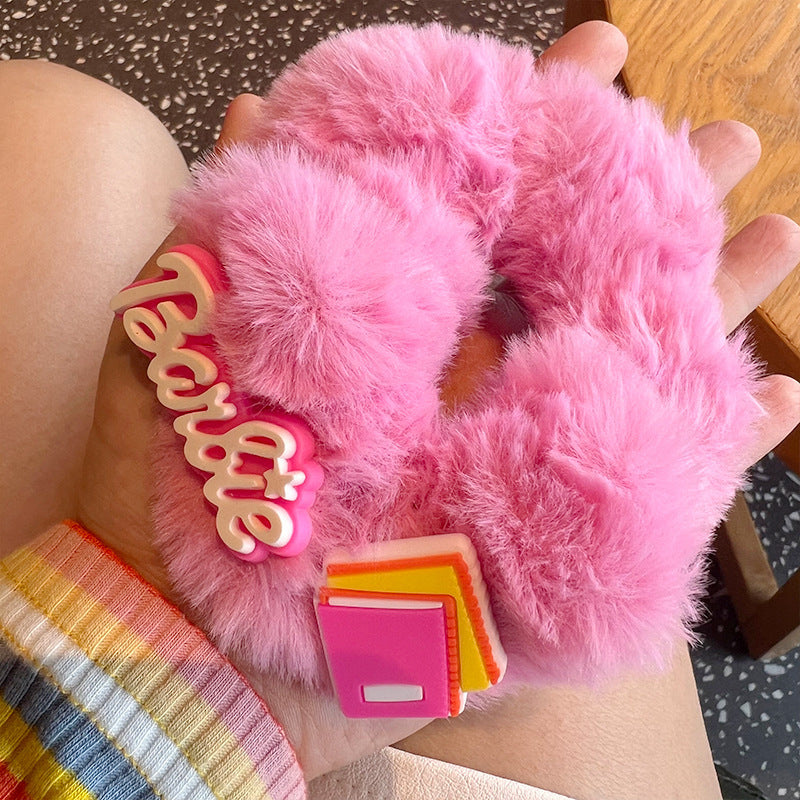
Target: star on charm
x=281 y=482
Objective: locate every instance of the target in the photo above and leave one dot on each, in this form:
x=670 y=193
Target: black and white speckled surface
x=185 y=59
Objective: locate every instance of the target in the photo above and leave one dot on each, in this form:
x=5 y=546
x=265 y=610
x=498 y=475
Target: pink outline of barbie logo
x=263 y=478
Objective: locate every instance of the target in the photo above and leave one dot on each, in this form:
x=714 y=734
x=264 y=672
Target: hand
x=117 y=482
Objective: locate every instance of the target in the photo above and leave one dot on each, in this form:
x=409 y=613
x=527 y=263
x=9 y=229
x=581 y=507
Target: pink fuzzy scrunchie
x=393 y=172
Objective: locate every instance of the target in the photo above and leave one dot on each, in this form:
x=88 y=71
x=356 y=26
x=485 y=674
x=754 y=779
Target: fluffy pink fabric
x=450 y=103
x=391 y=166
x=348 y=294
x=596 y=466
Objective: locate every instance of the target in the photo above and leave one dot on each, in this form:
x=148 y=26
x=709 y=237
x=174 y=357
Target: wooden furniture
x=711 y=60
x=769 y=615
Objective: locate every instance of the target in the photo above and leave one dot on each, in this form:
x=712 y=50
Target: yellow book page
x=428 y=580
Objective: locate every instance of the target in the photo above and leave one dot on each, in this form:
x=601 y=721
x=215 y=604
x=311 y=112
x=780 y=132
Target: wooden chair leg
x=578 y=11
x=769 y=616
x=774 y=629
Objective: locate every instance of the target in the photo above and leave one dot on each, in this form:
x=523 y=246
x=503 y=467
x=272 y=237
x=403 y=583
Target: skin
x=116 y=486
x=85 y=178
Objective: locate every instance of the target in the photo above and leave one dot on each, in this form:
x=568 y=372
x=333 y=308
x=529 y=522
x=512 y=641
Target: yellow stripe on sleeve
x=33 y=766
x=120 y=652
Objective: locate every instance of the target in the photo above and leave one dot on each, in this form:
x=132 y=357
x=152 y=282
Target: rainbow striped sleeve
x=108 y=692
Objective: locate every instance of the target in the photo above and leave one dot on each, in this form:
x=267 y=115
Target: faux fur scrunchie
x=393 y=172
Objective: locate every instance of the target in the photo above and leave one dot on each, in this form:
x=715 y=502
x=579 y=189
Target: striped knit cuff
x=108 y=692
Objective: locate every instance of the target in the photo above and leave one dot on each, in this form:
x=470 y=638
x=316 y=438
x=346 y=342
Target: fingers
x=760 y=256
x=753 y=263
x=779 y=396
x=598 y=46
x=728 y=150
x=238 y=123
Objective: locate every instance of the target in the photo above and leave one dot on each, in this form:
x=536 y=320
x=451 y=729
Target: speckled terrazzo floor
x=185 y=59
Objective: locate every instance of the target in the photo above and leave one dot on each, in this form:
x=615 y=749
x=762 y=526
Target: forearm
x=641 y=736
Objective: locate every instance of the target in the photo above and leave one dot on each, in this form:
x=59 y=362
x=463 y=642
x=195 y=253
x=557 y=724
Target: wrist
x=314 y=727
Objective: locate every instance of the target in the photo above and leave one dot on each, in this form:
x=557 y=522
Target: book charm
x=407 y=628
x=263 y=478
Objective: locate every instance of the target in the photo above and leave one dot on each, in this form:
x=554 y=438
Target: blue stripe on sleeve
x=68 y=733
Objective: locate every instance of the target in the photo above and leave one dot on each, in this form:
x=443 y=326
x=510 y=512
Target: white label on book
x=392 y=693
x=380 y=602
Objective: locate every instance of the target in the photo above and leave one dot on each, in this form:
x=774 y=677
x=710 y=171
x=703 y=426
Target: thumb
x=239 y=123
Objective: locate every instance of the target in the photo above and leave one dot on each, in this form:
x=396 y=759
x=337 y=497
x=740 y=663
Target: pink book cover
x=387 y=661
